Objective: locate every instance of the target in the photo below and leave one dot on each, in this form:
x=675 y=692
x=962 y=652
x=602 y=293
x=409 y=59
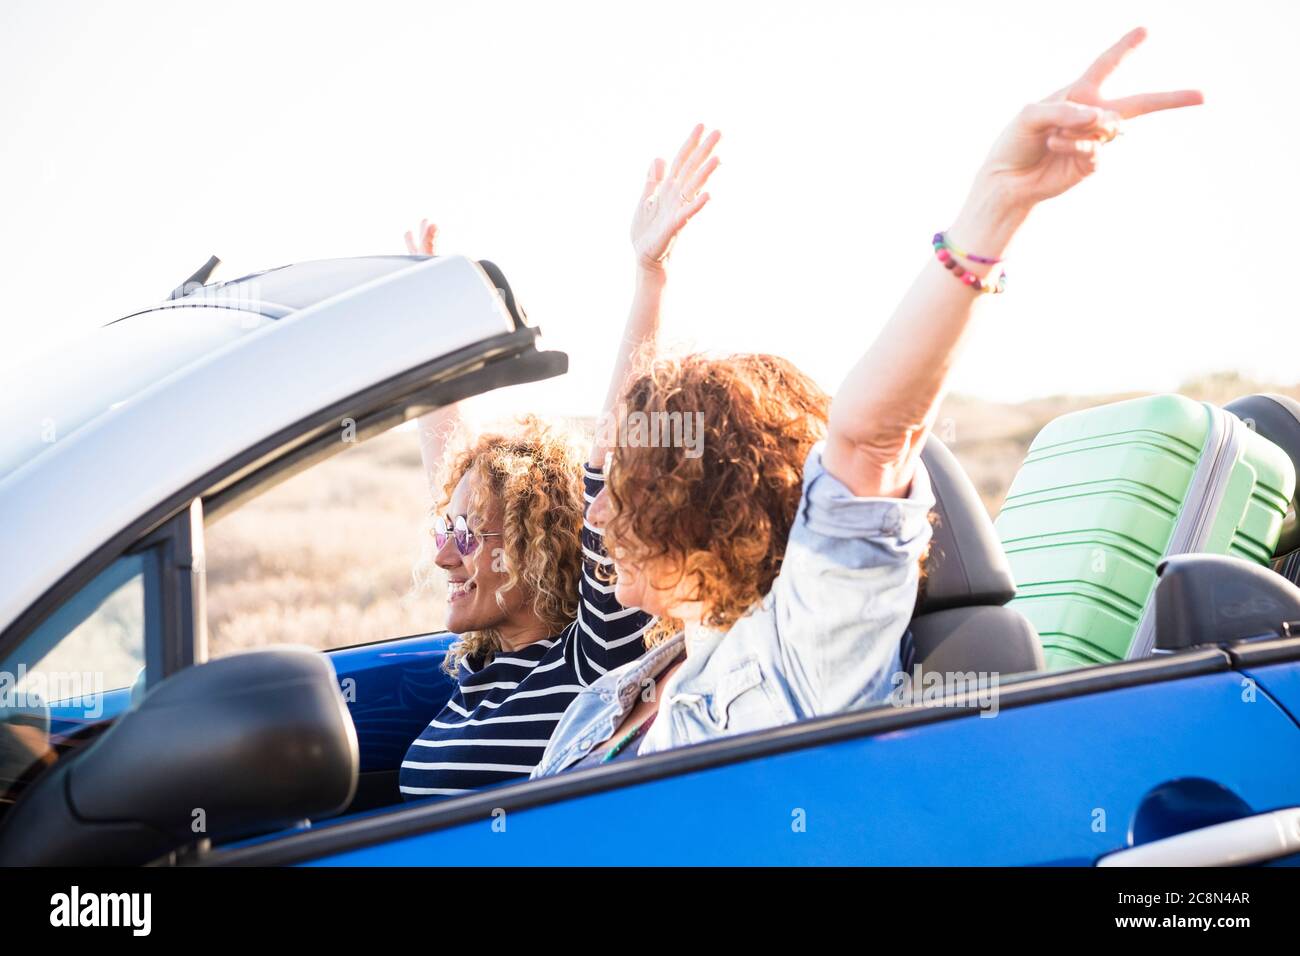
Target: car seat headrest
x=1277 y=418
x=966 y=566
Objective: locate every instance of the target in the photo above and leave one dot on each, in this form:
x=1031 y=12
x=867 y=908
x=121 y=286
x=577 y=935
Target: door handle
x=1241 y=842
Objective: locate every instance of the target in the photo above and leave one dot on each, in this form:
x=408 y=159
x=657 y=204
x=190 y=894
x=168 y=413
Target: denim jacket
x=824 y=640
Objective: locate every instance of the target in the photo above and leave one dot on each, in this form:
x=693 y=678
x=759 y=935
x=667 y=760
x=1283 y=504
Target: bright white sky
x=138 y=139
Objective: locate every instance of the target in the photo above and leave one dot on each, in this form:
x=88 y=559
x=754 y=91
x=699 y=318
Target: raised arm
x=882 y=413
x=668 y=201
x=436 y=428
x=608 y=634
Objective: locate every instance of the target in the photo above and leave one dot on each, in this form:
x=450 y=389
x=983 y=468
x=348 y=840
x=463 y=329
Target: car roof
x=70 y=387
x=115 y=362
x=109 y=427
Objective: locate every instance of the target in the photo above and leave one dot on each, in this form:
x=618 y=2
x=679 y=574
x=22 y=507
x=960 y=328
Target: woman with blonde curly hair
x=535 y=623
x=525 y=582
x=791 y=562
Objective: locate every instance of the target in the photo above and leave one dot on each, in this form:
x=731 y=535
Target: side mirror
x=241 y=745
x=1212 y=599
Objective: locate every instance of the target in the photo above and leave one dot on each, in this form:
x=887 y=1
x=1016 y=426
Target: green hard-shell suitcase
x=1105 y=493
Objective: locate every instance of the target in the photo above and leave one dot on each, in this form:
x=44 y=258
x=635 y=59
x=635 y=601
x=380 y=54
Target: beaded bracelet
x=943 y=250
x=942 y=240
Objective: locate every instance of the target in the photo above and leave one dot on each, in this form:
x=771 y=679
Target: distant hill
x=991 y=438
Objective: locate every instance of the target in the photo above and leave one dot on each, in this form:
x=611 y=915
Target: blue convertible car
x=121 y=450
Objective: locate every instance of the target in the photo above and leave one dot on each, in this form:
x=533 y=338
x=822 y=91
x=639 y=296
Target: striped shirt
x=501 y=715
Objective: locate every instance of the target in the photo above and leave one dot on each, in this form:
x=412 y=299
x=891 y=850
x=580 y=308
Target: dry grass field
x=325 y=558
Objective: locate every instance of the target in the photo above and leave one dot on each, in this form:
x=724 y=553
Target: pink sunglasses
x=458 y=528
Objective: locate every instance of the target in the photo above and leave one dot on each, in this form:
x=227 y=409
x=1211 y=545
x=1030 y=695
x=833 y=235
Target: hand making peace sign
x=1053 y=145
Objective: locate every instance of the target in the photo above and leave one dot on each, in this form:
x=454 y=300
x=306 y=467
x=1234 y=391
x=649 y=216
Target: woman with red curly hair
x=789 y=563
x=535 y=624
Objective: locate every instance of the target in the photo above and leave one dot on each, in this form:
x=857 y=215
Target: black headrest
x=1277 y=418
x=967 y=566
x=258 y=741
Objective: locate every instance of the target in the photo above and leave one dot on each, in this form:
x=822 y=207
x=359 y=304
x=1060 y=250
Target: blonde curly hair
x=533 y=475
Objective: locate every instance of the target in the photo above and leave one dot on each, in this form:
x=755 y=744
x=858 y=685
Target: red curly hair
x=719 y=512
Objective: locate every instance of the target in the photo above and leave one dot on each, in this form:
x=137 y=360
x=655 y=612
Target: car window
x=75 y=670
x=325 y=558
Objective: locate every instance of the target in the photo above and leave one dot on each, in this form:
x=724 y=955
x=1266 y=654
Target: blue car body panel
x=1282 y=683
x=1057 y=782
x=393 y=689
x=67 y=719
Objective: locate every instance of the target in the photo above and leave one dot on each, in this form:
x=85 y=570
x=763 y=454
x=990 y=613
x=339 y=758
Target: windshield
x=73 y=674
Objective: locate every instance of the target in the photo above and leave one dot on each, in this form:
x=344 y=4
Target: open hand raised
x=669 y=201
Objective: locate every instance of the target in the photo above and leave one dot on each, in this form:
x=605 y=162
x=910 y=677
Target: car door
x=103 y=646
x=1058 y=769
